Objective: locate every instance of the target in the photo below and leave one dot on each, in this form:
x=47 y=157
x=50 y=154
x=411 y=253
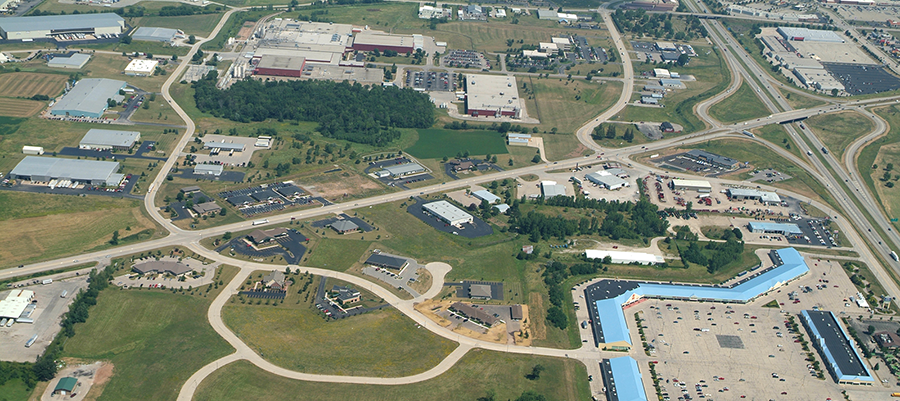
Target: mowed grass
x=155 y=340
x=436 y=143
x=478 y=373
x=382 y=343
x=200 y=25
x=19 y=107
x=838 y=130
x=28 y=84
x=15 y=389
x=882 y=151
x=742 y=105
x=61 y=229
x=566 y=105
x=336 y=254
x=776 y=134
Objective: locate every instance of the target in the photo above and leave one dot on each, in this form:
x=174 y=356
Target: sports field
x=478 y=374
x=19 y=107
x=436 y=143
x=28 y=84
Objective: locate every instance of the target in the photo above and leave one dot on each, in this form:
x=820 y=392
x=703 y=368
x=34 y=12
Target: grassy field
x=742 y=105
x=776 y=134
x=28 y=84
x=436 y=143
x=42 y=226
x=477 y=374
x=296 y=336
x=800 y=102
x=160 y=339
x=19 y=107
x=111 y=66
x=882 y=151
x=566 y=105
x=200 y=25
x=838 y=130
x=156 y=48
x=159 y=112
x=14 y=390
x=712 y=77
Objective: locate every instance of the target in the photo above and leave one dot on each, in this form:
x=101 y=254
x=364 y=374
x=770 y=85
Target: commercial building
x=216 y=147
x=764 y=227
x=209 y=169
x=45 y=169
x=281 y=66
x=606 y=180
x=474 y=314
x=492 y=95
x=625 y=258
x=206 y=208
x=608 y=297
x=518 y=139
x=104 y=139
x=369 y=40
x=141 y=67
x=486 y=195
x=661 y=73
x=49 y=25
x=65 y=385
x=344 y=226
x=274 y=280
x=75 y=61
x=516 y=312
x=261 y=237
x=429 y=12
x=649 y=100
x=812 y=35
x=753 y=194
x=15 y=303
x=345 y=295
x=622 y=379
x=671 y=83
x=387 y=261
x=401 y=170
x=88 y=98
x=550 y=189
x=447 y=213
x=666 y=46
x=836 y=348
x=162 y=266
x=152 y=34
x=714 y=159
x=691 y=185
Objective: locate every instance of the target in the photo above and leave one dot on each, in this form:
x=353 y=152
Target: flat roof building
x=141 y=67
x=400 y=170
x=671 y=83
x=48 y=25
x=75 y=61
x=226 y=146
x=550 y=189
x=607 y=180
x=836 y=348
x=812 y=35
x=280 y=66
x=209 y=169
x=103 y=139
x=624 y=258
x=492 y=95
x=754 y=194
x=691 y=185
x=15 y=303
x=661 y=73
x=515 y=139
x=162 y=266
x=153 y=34
x=388 y=261
x=45 y=169
x=712 y=158
x=474 y=313
x=206 y=208
x=369 y=41
x=622 y=379
x=344 y=226
x=448 y=213
x=486 y=195
x=765 y=227
x=88 y=98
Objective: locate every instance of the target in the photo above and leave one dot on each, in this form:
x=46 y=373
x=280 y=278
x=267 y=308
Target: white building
x=606 y=180
x=429 y=12
x=691 y=185
x=15 y=303
x=141 y=67
x=623 y=258
x=550 y=189
x=661 y=73
x=486 y=195
x=448 y=213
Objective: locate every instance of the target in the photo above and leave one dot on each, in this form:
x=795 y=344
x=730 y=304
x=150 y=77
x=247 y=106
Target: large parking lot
x=863 y=79
x=430 y=81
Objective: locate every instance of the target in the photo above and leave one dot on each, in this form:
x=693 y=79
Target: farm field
x=28 y=84
x=477 y=374
x=19 y=107
x=435 y=143
x=838 y=130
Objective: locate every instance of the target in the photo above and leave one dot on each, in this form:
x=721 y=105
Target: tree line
x=348 y=111
x=554 y=274
x=643 y=220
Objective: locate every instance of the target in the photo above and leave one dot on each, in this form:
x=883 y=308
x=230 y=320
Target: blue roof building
x=622 y=379
x=836 y=347
x=774 y=228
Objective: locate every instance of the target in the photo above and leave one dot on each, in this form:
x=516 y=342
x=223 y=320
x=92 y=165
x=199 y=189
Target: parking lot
x=226 y=158
x=430 y=81
x=465 y=59
x=291 y=248
x=863 y=79
x=683 y=162
x=478 y=228
x=398 y=279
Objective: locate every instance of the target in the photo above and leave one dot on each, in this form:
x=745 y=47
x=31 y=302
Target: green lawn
x=337 y=254
x=382 y=343
x=776 y=134
x=741 y=105
x=200 y=25
x=15 y=390
x=566 y=105
x=838 y=130
x=155 y=340
x=475 y=375
x=232 y=27
x=882 y=151
x=436 y=143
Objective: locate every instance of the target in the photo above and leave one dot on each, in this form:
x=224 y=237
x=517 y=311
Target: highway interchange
x=860 y=218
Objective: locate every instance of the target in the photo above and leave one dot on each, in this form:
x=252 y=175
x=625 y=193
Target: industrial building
x=429 y=12
x=622 y=379
x=152 y=34
x=104 y=139
x=209 y=169
x=206 y=208
x=812 y=35
x=515 y=139
x=141 y=67
x=88 y=98
x=485 y=195
x=492 y=95
x=45 y=169
x=74 y=61
x=661 y=73
x=714 y=159
x=447 y=213
x=766 y=197
x=691 y=185
x=280 y=66
x=672 y=83
x=370 y=40
x=606 y=180
x=625 y=258
x=387 y=261
x=764 y=227
x=316 y=42
x=217 y=147
x=550 y=189
x=402 y=170
x=49 y=25
x=15 y=303
x=33 y=150
x=836 y=348
x=610 y=296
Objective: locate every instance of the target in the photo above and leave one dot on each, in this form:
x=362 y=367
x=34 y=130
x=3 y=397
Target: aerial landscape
x=408 y=200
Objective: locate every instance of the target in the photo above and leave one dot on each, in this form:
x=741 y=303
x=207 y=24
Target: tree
x=192 y=39
x=629 y=135
x=871 y=329
x=889 y=167
x=126 y=39
x=557 y=317
x=530 y=395
x=227 y=235
x=115 y=238
x=110 y=103
x=535 y=159
x=886 y=177
x=535 y=372
x=611 y=132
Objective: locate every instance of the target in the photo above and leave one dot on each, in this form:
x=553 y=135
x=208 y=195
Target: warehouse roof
x=624 y=380
x=386 y=261
x=486 y=195
x=89 y=95
x=690 y=183
x=282 y=62
x=81 y=170
x=403 y=169
x=75 y=60
x=154 y=34
x=814 y=35
x=837 y=347
x=447 y=211
x=108 y=137
x=551 y=189
x=141 y=66
x=215 y=169
x=381 y=39
x=608 y=180
x=225 y=146
x=765 y=196
x=712 y=157
x=787 y=228
x=624 y=257
x=15 y=303
x=491 y=92
x=60 y=22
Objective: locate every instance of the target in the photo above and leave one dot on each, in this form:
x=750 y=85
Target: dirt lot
x=86 y=374
x=437 y=312
x=336 y=186
x=245 y=31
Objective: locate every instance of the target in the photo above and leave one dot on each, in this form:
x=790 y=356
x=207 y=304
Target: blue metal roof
x=627 y=378
x=612 y=319
x=836 y=346
x=787 y=228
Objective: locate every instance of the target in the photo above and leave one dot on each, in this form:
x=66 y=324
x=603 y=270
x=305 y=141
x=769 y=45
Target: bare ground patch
x=341 y=185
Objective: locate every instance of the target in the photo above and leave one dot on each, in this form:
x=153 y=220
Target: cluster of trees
x=352 y=112
x=641 y=23
x=644 y=221
x=610 y=132
x=502 y=128
x=554 y=274
x=714 y=255
x=314 y=16
x=16 y=370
